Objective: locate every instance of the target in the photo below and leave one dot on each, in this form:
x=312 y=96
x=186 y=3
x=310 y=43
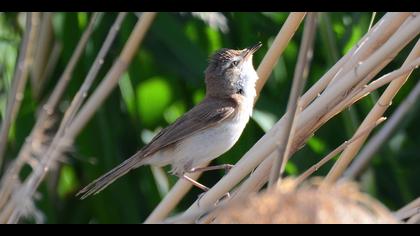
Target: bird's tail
x=102 y=182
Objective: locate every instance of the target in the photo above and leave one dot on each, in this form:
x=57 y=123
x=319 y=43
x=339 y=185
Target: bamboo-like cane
x=377 y=111
x=299 y=81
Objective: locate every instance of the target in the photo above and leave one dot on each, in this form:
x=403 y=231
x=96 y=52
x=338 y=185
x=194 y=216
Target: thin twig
x=332 y=154
x=358 y=94
x=68 y=72
x=336 y=92
x=87 y=111
x=53 y=58
x=388 y=25
x=259 y=176
x=10 y=179
x=59 y=142
x=279 y=44
x=376 y=112
x=265 y=146
x=93 y=72
x=19 y=82
x=376 y=142
x=324 y=81
x=299 y=80
x=388 y=78
x=264 y=70
x=113 y=76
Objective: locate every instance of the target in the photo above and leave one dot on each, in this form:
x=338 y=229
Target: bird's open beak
x=251 y=50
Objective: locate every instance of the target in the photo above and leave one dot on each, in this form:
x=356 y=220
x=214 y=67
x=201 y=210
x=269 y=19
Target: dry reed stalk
x=43 y=49
x=111 y=79
x=299 y=81
x=359 y=93
x=58 y=143
x=408 y=214
x=53 y=58
x=280 y=43
x=338 y=91
x=87 y=111
x=332 y=154
x=32 y=57
x=20 y=78
x=388 y=25
x=264 y=70
x=308 y=117
x=374 y=144
x=377 y=111
x=326 y=79
x=401 y=213
x=93 y=71
x=10 y=179
x=258 y=177
x=415 y=219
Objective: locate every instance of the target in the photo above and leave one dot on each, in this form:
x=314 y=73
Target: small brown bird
x=206 y=131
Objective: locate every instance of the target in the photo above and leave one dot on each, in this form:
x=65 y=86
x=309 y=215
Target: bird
x=207 y=130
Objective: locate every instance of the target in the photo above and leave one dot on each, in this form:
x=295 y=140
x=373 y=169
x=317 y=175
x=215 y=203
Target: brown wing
x=207 y=113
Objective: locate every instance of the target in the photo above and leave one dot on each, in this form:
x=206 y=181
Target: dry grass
x=308 y=204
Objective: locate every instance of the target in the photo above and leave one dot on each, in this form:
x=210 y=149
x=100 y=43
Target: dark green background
x=165 y=79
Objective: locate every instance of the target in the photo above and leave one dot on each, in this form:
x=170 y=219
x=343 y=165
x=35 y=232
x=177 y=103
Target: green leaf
x=153 y=97
x=291 y=169
x=214 y=39
x=356 y=35
x=264 y=119
x=82 y=18
x=68 y=182
x=317 y=145
x=198 y=96
x=128 y=95
x=174 y=111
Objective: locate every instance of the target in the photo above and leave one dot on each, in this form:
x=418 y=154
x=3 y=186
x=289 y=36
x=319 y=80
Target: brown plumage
x=221 y=116
x=206 y=114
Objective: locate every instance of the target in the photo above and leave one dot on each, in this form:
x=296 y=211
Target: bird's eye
x=235 y=63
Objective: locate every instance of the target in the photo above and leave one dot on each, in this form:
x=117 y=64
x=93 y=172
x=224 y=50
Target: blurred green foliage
x=164 y=80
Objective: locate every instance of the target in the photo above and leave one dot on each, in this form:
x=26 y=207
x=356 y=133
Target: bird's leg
x=195 y=183
x=225 y=167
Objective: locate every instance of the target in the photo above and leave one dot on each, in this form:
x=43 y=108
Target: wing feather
x=206 y=114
